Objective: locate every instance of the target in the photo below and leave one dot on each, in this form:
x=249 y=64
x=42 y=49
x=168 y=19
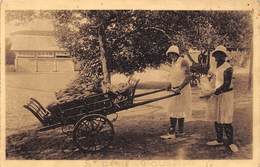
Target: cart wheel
x=93 y=133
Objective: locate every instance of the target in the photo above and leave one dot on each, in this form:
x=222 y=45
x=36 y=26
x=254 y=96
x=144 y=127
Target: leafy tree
x=119 y=41
x=128 y=41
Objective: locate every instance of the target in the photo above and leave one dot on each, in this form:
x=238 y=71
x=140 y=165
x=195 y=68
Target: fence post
x=15 y=63
x=250 y=77
x=55 y=62
x=36 y=62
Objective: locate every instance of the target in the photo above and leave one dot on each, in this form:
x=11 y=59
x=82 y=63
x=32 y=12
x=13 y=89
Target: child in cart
x=119 y=88
x=121 y=92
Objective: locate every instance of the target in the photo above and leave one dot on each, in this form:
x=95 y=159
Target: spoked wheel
x=93 y=133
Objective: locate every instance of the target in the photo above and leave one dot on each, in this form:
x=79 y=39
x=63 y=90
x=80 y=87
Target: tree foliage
x=134 y=40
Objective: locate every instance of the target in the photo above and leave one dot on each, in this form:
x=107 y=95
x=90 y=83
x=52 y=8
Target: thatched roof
x=34 y=41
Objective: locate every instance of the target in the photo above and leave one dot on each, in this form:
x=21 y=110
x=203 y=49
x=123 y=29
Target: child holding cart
x=221 y=100
x=180 y=106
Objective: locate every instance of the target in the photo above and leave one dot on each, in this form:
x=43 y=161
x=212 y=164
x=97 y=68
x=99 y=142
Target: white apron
x=180 y=105
x=222 y=105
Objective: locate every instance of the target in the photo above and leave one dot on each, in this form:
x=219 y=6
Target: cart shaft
x=148 y=93
x=152 y=92
x=154 y=100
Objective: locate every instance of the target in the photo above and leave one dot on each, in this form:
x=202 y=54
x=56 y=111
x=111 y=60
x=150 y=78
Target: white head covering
x=223 y=49
x=173 y=49
x=220 y=48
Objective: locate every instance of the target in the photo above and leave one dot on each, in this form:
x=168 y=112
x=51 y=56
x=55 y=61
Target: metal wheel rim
x=93 y=133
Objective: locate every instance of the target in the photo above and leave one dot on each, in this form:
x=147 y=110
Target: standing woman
x=224 y=99
x=180 y=106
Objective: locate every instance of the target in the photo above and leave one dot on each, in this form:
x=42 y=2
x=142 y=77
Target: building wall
x=64 y=65
x=43 y=61
x=34 y=54
x=25 y=64
x=44 y=64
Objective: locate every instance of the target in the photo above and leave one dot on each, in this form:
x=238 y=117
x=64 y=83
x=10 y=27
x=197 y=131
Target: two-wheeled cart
x=91 y=129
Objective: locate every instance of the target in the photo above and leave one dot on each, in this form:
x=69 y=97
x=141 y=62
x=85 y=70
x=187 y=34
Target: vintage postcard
x=125 y=83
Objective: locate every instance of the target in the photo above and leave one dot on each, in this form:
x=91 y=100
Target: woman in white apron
x=222 y=101
x=179 y=106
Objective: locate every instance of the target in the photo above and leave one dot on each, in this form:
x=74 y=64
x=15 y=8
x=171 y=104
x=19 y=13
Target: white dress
x=222 y=105
x=179 y=106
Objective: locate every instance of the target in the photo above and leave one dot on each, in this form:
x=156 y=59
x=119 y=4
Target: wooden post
x=16 y=61
x=55 y=62
x=103 y=54
x=250 y=77
x=36 y=62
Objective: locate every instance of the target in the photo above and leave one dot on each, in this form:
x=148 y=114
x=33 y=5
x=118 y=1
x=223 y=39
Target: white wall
x=64 y=64
x=44 y=64
x=25 y=64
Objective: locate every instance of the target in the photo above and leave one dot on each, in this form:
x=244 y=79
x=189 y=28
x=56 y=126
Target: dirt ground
x=137 y=130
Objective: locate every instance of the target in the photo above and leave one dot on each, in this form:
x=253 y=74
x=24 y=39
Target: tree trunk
x=103 y=57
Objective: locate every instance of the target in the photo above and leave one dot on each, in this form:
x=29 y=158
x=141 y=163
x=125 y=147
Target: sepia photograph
x=129 y=84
